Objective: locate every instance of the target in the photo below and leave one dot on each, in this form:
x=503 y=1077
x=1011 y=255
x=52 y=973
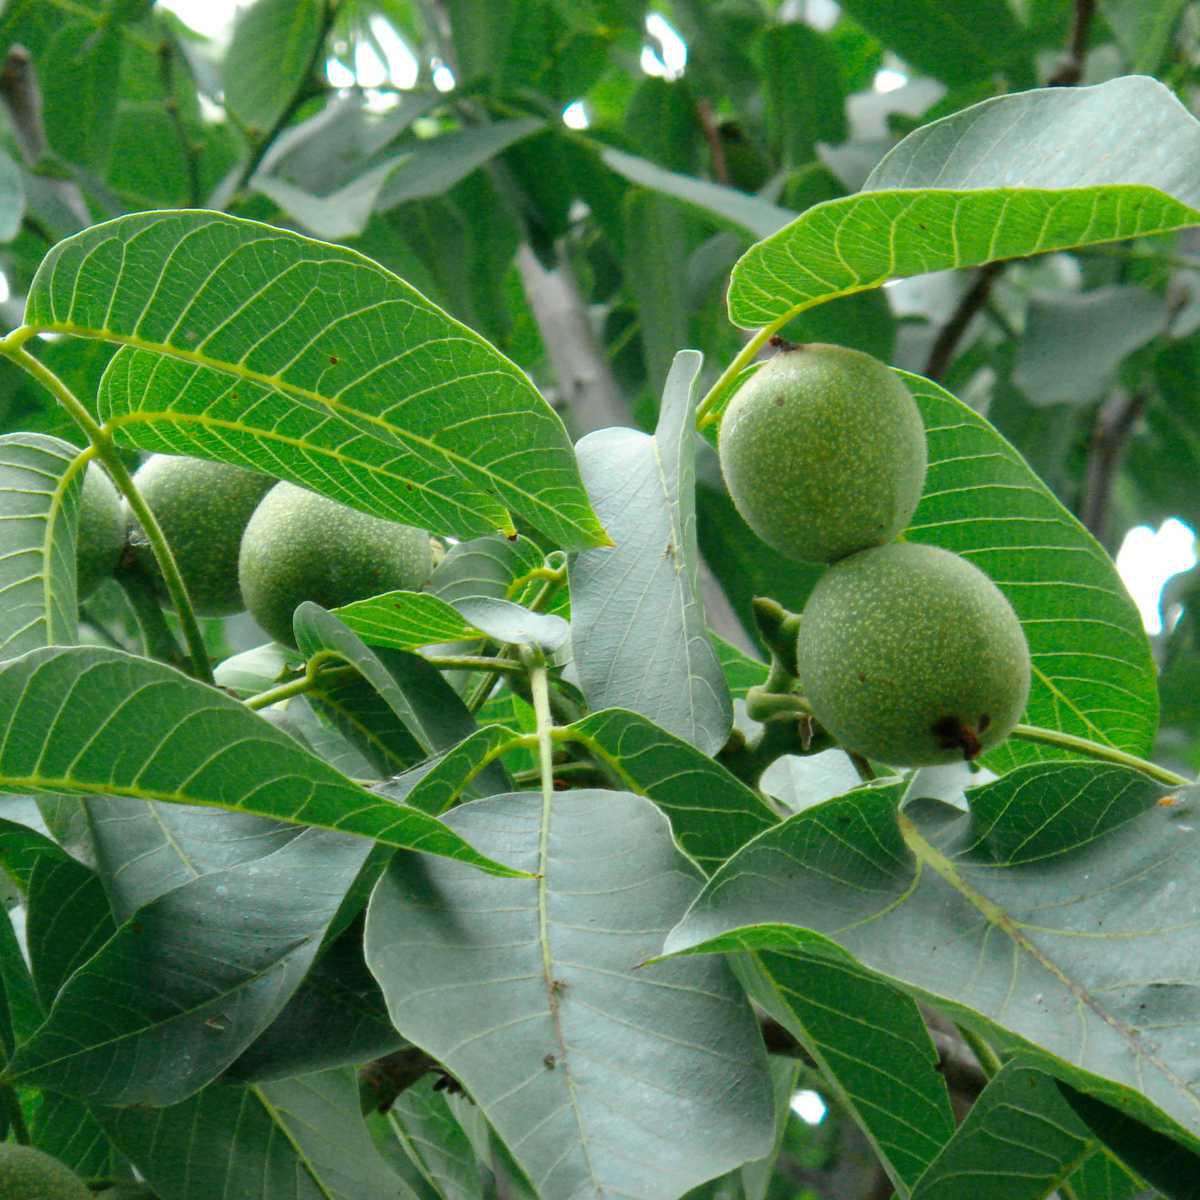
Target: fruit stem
x=762 y=704
x=157 y=639
x=535 y=664
x=708 y=411
x=106 y=452
x=293 y=687
x=473 y=662
x=988 y=1059
x=1069 y=741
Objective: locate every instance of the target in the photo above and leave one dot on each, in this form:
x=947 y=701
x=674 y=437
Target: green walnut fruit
x=100 y=537
x=300 y=546
x=203 y=508
x=28 y=1174
x=823 y=451
x=910 y=655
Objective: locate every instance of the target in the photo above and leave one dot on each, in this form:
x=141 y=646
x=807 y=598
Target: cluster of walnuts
x=242 y=541
x=907 y=653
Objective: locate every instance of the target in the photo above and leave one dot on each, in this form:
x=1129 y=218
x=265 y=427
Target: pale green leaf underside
x=39 y=500
x=637 y=623
x=251 y=344
x=1057 y=917
x=1014 y=176
x=1092 y=671
x=531 y=996
x=91 y=721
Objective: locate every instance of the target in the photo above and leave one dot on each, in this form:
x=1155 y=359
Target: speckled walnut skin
x=823 y=451
x=911 y=656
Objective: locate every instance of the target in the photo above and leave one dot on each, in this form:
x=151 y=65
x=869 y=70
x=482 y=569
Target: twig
x=1070 y=72
x=713 y=136
x=191 y=156
x=22 y=100
x=1115 y=422
x=381 y=1081
x=973 y=299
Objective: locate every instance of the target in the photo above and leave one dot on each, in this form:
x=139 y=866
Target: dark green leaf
x=436 y=1143
x=128 y=727
x=274 y=42
x=805 y=103
x=78 y=75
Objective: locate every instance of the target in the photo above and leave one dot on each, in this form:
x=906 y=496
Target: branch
x=1070 y=72
x=712 y=135
x=973 y=300
x=22 y=100
x=1115 y=423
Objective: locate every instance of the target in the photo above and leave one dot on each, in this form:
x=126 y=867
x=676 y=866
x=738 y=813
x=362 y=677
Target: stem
x=16 y=1118
x=861 y=765
x=295 y=687
x=535 y=664
x=1068 y=741
x=1115 y=423
x=106 y=452
x=762 y=705
x=157 y=639
x=472 y=662
x=166 y=62
x=973 y=299
x=707 y=410
x=989 y=1061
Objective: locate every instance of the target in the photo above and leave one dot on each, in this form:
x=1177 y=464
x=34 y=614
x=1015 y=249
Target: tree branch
x=1070 y=72
x=973 y=300
x=712 y=135
x=1115 y=423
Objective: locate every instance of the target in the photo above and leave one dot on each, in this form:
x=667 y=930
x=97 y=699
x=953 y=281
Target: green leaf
x=1164 y=1163
x=735 y=210
x=1074 y=344
x=1143 y=29
x=528 y=994
x=66 y=1129
x=125 y=726
x=420 y=170
x=356 y=386
x=757 y=1175
x=336 y=1017
x=406 y=621
x=68 y=920
x=712 y=813
x=192 y=978
x=637 y=624
x=12 y=198
x=1012 y=176
x=1092 y=671
x=1020 y=1141
x=436 y=1142
x=21 y=846
x=1048 y=918
x=273 y=46
x=656 y=242
x=873 y=1050
x=436 y=785
x=22 y=1012
x=956 y=41
x=78 y=74
x=804 y=97
x=296 y=1139
x=486 y=566
x=741 y=671
x=39 y=511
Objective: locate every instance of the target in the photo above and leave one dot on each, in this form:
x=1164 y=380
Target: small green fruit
x=100 y=537
x=203 y=508
x=28 y=1174
x=300 y=546
x=910 y=655
x=823 y=451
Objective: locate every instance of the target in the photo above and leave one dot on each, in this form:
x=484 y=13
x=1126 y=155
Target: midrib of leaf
x=543 y=891
x=1066 y=702
x=927 y=855
x=278 y=384
x=281 y=1125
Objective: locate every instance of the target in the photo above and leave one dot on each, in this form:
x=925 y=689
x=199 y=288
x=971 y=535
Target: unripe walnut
x=910 y=655
x=823 y=452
